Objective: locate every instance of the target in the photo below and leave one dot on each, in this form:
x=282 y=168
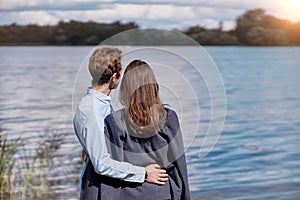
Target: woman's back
x=144 y=133
x=163 y=147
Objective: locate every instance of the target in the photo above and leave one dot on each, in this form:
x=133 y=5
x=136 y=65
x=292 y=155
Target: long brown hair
x=139 y=93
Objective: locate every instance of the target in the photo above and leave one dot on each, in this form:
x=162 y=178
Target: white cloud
x=228 y=25
x=105 y=15
x=210 y=23
x=170 y=12
x=153 y=13
x=10 y=4
x=29 y=17
x=14 y=4
x=286 y=9
x=131 y=11
x=219 y=13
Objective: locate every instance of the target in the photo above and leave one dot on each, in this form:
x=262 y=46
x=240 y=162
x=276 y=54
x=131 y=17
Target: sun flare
x=291 y=9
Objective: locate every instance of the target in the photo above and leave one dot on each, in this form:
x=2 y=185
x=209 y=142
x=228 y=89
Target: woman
x=142 y=133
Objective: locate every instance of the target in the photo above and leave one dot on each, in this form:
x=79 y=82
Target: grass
x=7 y=163
x=33 y=183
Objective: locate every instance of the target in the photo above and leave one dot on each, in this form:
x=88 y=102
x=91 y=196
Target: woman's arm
x=176 y=156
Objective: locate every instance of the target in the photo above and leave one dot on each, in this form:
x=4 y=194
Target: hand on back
x=156 y=175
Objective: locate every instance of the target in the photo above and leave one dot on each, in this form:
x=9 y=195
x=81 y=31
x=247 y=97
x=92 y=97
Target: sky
x=175 y=14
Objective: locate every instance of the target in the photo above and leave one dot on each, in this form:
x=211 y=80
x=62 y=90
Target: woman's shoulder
x=171 y=125
x=171 y=116
x=116 y=114
x=116 y=118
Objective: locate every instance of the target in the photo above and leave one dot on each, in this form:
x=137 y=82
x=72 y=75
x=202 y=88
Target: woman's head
x=139 y=93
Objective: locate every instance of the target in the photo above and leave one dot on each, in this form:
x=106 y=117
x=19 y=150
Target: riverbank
x=253 y=28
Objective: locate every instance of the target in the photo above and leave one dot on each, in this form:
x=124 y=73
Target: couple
x=134 y=153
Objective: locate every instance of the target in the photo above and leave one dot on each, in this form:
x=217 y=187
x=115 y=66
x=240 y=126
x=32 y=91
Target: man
x=105 y=68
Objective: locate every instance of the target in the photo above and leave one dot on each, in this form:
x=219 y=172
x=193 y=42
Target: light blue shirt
x=88 y=124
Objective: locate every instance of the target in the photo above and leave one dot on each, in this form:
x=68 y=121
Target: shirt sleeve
x=95 y=145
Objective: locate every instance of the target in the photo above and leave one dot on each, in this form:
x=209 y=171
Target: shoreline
x=69 y=45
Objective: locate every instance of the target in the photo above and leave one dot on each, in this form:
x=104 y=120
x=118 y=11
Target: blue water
x=256 y=157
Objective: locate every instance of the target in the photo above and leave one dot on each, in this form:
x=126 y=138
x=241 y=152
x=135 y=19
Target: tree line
x=254 y=27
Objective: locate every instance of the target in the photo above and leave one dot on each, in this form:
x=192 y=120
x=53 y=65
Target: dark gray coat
x=164 y=147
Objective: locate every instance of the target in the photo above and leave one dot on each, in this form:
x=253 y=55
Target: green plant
x=7 y=163
x=36 y=185
x=33 y=183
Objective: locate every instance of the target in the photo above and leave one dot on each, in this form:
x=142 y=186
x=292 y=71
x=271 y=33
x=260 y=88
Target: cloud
x=15 y=5
x=228 y=25
x=131 y=12
x=12 y=4
x=147 y=13
x=28 y=17
x=162 y=15
x=156 y=12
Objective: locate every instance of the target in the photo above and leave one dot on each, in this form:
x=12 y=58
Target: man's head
x=105 y=66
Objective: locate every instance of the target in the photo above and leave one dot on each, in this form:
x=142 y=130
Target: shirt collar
x=98 y=95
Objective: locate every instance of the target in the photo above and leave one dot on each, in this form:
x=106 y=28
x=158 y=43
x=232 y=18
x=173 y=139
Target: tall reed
x=7 y=163
x=33 y=183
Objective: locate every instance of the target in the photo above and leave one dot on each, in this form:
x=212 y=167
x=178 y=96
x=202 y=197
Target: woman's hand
x=154 y=174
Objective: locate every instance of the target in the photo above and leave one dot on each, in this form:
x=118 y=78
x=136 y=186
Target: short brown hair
x=103 y=63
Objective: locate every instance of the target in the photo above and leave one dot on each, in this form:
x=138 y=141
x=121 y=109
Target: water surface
x=256 y=157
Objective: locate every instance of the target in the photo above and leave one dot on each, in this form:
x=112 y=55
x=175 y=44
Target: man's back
x=93 y=106
x=89 y=128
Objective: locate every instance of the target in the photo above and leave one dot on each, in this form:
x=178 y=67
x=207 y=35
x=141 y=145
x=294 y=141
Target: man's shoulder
x=91 y=106
x=85 y=105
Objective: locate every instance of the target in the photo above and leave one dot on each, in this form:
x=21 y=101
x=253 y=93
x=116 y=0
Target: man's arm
x=90 y=133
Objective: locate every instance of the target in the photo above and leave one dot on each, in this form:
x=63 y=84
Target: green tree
x=248 y=21
x=255 y=27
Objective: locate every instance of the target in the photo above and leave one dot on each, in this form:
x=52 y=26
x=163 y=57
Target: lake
x=256 y=156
